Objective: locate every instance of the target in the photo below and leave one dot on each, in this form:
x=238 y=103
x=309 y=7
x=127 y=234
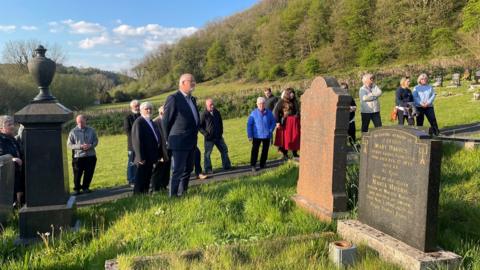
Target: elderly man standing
x=180 y=124
x=146 y=143
x=127 y=127
x=211 y=126
x=83 y=140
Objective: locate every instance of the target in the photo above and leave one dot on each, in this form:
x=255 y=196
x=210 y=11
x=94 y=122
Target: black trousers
x=161 y=175
x=83 y=166
x=366 y=117
x=254 y=154
x=429 y=112
x=351 y=131
x=198 y=161
x=142 y=177
x=402 y=117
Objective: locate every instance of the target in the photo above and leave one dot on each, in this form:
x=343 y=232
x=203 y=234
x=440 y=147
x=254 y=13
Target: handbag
x=393 y=114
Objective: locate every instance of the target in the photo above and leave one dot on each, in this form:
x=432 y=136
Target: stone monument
x=438 y=81
x=324 y=118
x=398 y=198
x=48 y=200
x=7 y=178
x=477 y=77
x=456 y=79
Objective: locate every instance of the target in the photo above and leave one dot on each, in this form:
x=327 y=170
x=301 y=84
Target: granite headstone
x=399 y=184
x=456 y=79
x=324 y=118
x=477 y=77
x=7 y=178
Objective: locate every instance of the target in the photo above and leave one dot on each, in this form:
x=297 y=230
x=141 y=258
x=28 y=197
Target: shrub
x=312 y=66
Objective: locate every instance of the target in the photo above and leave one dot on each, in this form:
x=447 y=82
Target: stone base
x=318 y=211
x=39 y=219
x=395 y=251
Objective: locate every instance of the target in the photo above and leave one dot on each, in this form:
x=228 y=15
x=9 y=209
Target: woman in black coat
x=404 y=102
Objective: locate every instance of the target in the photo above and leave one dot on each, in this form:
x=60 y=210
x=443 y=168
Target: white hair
x=260 y=100
x=183 y=78
x=366 y=77
x=422 y=76
x=4 y=119
x=146 y=105
x=135 y=101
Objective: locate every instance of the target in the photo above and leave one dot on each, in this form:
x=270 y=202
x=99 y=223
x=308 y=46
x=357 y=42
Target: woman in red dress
x=287 y=115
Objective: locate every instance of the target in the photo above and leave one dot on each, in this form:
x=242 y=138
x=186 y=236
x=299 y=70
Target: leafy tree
x=217 y=60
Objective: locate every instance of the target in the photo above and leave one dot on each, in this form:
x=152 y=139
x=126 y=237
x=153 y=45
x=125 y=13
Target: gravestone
x=398 y=198
x=477 y=77
x=399 y=184
x=324 y=118
x=438 y=81
x=47 y=200
x=456 y=79
x=7 y=178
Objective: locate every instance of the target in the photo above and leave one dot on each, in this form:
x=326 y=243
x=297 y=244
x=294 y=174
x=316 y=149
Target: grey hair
x=260 y=100
x=423 y=75
x=6 y=119
x=135 y=101
x=184 y=77
x=366 y=77
x=146 y=105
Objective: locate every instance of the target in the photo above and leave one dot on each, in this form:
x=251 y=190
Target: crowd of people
x=163 y=151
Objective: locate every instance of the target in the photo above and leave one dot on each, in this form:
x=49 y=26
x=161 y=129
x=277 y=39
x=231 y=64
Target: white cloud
x=89 y=43
x=29 y=28
x=7 y=28
x=170 y=33
x=55 y=27
x=83 y=27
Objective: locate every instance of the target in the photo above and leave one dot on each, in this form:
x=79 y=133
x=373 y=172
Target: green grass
x=112 y=154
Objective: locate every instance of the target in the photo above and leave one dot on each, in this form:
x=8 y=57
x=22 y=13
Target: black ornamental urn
x=48 y=204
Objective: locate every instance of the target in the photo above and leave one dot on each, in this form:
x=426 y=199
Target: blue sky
x=109 y=34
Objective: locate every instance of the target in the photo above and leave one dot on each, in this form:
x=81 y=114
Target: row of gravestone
x=456 y=79
x=399 y=172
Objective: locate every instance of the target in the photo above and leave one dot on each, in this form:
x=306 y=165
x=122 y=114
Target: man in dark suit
x=161 y=172
x=180 y=122
x=127 y=127
x=146 y=142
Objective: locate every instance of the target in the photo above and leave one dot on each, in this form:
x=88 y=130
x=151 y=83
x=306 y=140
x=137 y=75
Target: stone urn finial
x=42 y=70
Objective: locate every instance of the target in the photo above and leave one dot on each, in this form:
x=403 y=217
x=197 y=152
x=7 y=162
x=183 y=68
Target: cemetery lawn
x=241 y=211
x=112 y=154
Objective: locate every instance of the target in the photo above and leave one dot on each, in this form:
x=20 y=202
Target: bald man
x=82 y=140
x=180 y=124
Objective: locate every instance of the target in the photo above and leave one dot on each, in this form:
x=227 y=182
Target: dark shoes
x=77 y=192
x=87 y=190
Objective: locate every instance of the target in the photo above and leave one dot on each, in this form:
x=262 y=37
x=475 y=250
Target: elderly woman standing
x=260 y=126
x=369 y=103
x=9 y=145
x=423 y=96
x=286 y=113
x=404 y=102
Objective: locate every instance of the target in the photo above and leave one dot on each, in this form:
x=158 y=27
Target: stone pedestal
x=7 y=179
x=46 y=170
x=396 y=251
x=321 y=182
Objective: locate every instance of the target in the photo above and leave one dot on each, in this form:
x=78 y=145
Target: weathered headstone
x=438 y=81
x=321 y=182
x=7 y=179
x=398 y=198
x=399 y=184
x=456 y=79
x=477 y=77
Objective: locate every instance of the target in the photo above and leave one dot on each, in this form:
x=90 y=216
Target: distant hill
x=297 y=39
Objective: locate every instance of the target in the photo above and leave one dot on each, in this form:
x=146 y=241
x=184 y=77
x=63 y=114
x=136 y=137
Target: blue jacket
x=260 y=125
x=423 y=93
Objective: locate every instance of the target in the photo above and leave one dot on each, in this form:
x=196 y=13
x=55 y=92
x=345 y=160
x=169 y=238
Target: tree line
x=302 y=38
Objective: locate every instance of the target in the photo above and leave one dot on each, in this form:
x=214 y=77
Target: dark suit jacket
x=179 y=123
x=144 y=143
x=163 y=147
x=127 y=127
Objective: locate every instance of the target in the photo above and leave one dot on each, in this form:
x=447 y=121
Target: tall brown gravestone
x=324 y=118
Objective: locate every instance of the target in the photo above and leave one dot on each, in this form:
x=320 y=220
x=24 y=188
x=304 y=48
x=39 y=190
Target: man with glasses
x=180 y=122
x=127 y=127
x=146 y=142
